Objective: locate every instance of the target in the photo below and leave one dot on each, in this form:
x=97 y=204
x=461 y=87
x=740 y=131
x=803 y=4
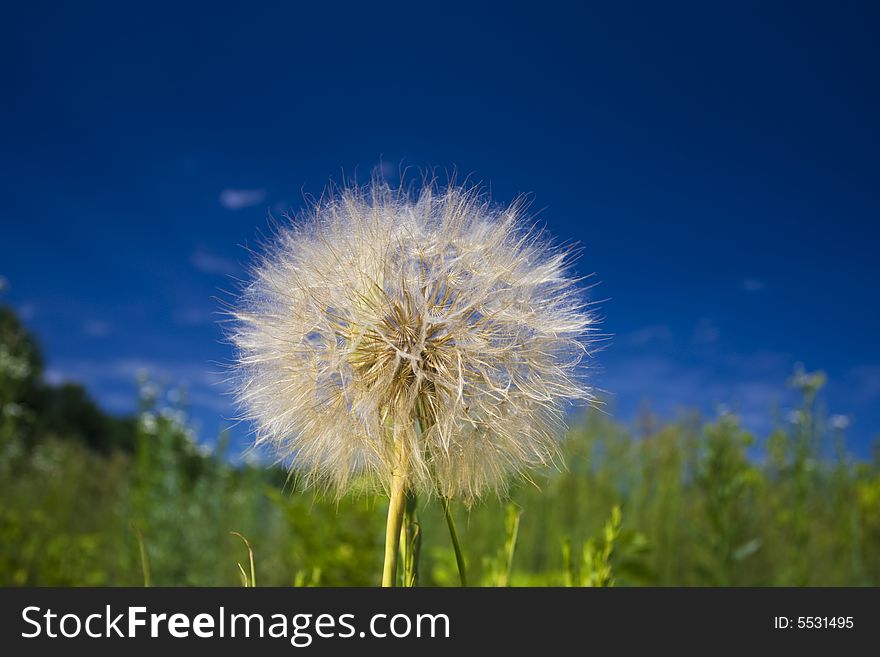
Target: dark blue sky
x=719 y=165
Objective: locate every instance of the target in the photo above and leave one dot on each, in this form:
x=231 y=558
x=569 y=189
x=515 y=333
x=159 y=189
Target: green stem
x=513 y=515
x=422 y=423
x=145 y=560
x=412 y=539
x=396 y=506
x=456 y=546
x=253 y=580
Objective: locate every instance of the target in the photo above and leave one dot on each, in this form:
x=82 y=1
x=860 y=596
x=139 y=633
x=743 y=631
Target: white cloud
x=95 y=328
x=27 y=311
x=116 y=402
x=211 y=263
x=192 y=317
x=113 y=382
x=280 y=208
x=218 y=401
x=753 y=285
x=55 y=377
x=237 y=199
x=706 y=332
x=647 y=335
x=127 y=369
x=864 y=381
x=748 y=386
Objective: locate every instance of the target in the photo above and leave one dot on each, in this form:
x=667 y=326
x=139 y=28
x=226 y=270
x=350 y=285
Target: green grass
x=696 y=510
x=701 y=503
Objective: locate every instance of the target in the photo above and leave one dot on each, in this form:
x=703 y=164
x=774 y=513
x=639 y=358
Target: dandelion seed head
x=432 y=335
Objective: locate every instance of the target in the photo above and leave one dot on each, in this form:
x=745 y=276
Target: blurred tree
x=39 y=410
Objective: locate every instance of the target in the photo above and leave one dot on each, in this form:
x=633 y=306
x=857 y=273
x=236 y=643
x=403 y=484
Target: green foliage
x=595 y=568
x=87 y=499
x=499 y=569
x=34 y=411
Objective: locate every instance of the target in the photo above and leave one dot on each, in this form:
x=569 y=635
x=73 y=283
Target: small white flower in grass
x=431 y=339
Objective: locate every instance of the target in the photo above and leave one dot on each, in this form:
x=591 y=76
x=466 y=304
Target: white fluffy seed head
x=434 y=336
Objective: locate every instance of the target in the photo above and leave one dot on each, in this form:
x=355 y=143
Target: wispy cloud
x=114 y=381
x=27 y=311
x=647 y=335
x=700 y=370
x=192 y=317
x=865 y=382
x=707 y=332
x=694 y=371
x=753 y=285
x=211 y=263
x=671 y=386
x=237 y=199
x=95 y=328
x=128 y=369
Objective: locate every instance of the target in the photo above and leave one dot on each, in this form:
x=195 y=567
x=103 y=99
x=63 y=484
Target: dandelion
x=421 y=344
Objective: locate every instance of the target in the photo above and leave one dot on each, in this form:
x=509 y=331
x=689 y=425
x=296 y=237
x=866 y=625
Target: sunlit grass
x=700 y=503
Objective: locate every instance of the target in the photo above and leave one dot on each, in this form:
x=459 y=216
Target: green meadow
x=89 y=499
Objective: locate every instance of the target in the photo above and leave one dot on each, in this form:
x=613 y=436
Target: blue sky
x=719 y=166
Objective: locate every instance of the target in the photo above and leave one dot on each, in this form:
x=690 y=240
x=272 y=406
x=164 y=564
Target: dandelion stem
x=396 y=506
x=456 y=546
x=411 y=538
